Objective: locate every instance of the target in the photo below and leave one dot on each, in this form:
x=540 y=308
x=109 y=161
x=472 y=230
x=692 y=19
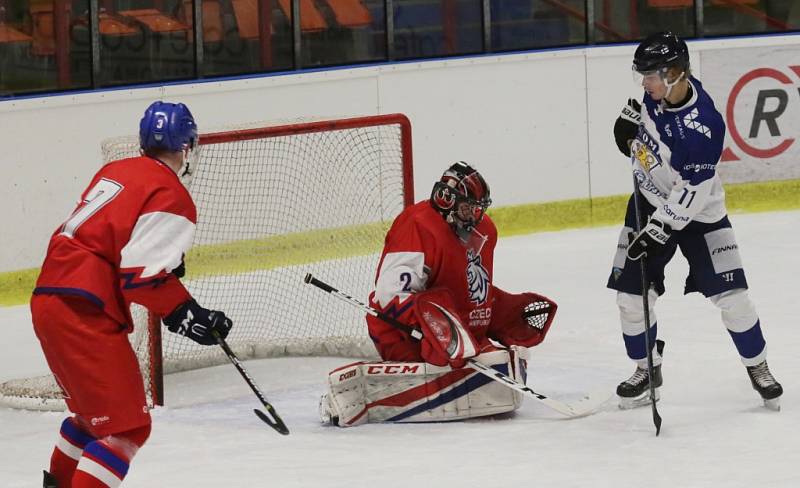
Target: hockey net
x=274 y=203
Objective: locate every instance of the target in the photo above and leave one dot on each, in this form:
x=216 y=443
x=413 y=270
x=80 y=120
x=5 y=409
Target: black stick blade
x=657 y=421
x=276 y=424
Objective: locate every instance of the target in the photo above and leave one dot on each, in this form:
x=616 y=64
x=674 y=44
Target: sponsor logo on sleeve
x=674 y=216
x=700 y=167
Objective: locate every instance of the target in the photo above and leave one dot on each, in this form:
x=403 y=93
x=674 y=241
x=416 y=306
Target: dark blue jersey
x=675 y=157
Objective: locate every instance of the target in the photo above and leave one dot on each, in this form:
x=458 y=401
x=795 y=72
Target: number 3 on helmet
x=461 y=196
x=168 y=127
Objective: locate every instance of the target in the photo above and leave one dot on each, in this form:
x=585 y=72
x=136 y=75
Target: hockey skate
x=49 y=481
x=635 y=391
x=766 y=385
x=327 y=412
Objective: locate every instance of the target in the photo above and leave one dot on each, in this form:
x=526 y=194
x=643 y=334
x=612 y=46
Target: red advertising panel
x=757 y=90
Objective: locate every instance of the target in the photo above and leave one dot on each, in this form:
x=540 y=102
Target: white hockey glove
x=627 y=125
x=650 y=241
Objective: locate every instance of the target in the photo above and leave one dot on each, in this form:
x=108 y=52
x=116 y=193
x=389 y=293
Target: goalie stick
x=271 y=418
x=578 y=409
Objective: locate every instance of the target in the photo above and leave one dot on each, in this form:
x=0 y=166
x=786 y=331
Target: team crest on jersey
x=646 y=158
x=477 y=278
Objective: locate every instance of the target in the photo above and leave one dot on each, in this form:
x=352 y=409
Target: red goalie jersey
x=422 y=252
x=128 y=233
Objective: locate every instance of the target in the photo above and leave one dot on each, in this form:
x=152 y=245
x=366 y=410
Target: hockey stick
x=646 y=305
x=275 y=421
x=569 y=410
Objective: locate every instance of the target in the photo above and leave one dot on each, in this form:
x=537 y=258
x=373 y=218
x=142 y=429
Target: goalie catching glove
x=446 y=340
x=198 y=323
x=521 y=319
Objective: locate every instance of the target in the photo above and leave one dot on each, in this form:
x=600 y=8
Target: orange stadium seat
x=246 y=13
x=44 y=36
x=350 y=13
x=9 y=34
x=155 y=20
x=212 y=19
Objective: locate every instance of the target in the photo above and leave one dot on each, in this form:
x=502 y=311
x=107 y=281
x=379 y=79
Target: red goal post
x=274 y=202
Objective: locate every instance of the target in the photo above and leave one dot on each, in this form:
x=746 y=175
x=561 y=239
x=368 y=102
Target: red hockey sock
x=69 y=448
x=105 y=462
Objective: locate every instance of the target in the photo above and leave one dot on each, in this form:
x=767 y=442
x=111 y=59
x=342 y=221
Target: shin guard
x=69 y=448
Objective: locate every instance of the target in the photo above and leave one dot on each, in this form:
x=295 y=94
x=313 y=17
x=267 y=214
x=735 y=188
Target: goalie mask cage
x=273 y=203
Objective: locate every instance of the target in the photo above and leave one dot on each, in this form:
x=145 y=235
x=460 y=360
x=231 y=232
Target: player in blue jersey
x=674 y=138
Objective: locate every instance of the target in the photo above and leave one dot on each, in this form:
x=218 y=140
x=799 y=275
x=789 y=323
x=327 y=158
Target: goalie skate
x=327 y=413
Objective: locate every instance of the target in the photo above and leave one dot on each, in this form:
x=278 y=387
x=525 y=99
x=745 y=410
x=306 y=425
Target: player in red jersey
x=436 y=268
x=124 y=243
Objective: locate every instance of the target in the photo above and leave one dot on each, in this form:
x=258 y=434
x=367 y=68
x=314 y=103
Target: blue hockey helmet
x=167 y=126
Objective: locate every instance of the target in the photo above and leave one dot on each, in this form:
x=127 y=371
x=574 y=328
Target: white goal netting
x=273 y=204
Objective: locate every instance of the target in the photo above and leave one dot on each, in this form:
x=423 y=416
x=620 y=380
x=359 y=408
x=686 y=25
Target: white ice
x=716 y=433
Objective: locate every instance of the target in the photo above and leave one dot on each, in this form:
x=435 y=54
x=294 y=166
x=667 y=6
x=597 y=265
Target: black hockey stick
x=578 y=409
x=271 y=416
x=646 y=305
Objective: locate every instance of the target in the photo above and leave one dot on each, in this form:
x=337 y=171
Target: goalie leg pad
x=369 y=392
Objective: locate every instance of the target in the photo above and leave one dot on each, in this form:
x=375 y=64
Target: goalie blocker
x=387 y=391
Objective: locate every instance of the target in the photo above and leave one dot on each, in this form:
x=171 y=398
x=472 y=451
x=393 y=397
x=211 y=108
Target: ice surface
x=715 y=431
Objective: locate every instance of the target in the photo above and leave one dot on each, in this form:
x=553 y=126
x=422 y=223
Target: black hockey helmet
x=659 y=52
x=462 y=196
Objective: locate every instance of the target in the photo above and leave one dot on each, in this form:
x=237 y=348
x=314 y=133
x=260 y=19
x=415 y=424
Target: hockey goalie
x=435 y=275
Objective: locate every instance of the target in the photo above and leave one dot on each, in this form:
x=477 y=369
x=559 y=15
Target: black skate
x=766 y=385
x=49 y=481
x=635 y=391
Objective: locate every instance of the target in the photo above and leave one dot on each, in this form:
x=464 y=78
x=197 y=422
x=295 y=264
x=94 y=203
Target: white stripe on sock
x=68 y=448
x=755 y=360
x=99 y=471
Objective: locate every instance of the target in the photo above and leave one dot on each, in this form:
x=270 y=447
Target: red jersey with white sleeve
x=421 y=252
x=131 y=228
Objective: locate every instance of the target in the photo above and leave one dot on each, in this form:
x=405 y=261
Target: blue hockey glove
x=197 y=323
x=650 y=241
